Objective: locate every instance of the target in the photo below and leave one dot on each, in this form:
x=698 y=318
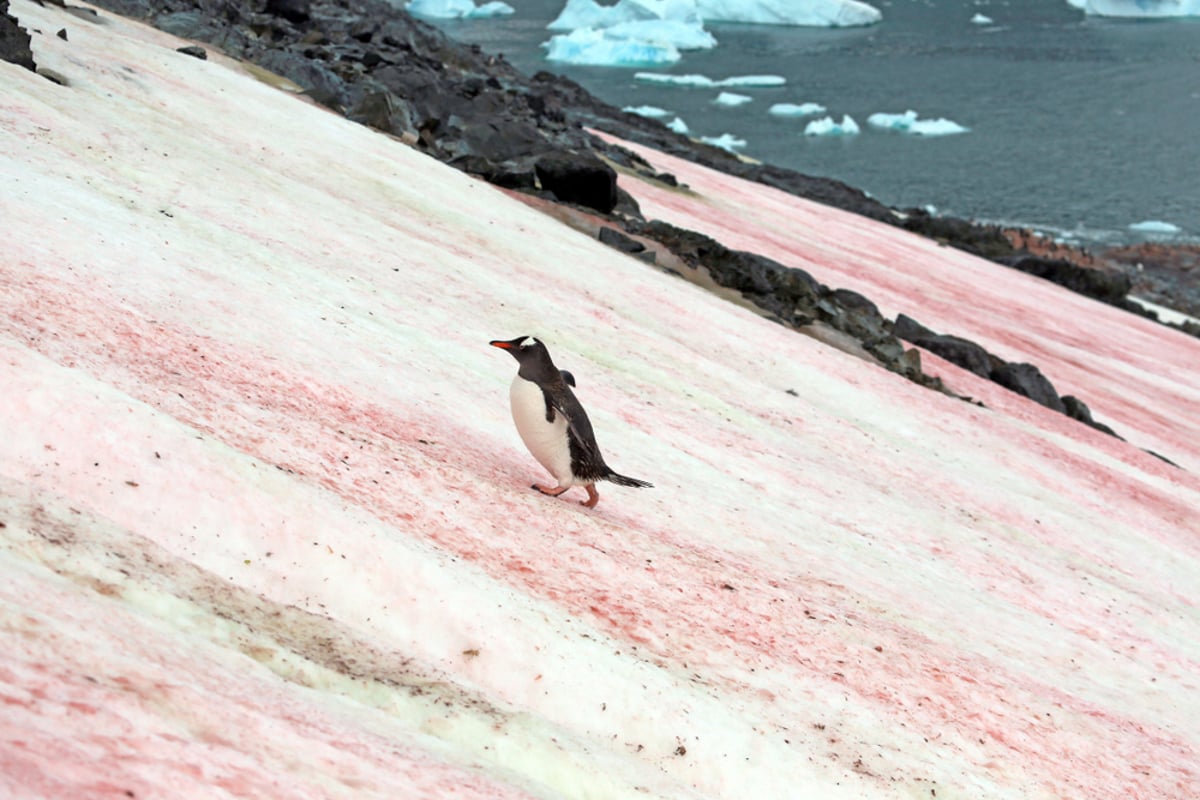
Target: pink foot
x=555 y=492
x=593 y=497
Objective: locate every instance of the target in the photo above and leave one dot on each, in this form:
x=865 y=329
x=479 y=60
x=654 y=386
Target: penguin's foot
x=555 y=492
x=593 y=497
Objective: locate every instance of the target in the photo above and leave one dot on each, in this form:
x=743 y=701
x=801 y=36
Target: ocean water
x=1079 y=126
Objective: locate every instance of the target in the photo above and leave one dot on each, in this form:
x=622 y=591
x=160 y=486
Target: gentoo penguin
x=553 y=424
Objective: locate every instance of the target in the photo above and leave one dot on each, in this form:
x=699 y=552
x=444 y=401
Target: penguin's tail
x=621 y=480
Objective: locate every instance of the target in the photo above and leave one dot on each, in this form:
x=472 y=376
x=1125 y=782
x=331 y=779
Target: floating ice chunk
x=653 y=112
x=590 y=46
x=1154 y=226
x=1140 y=8
x=678 y=125
x=457 y=9
x=825 y=126
x=908 y=123
x=981 y=19
x=656 y=22
x=793 y=110
x=705 y=82
x=822 y=13
x=753 y=81
x=726 y=141
x=590 y=14
x=683 y=35
x=731 y=99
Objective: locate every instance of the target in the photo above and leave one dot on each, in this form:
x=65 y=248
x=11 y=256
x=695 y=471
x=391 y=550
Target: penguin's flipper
x=568 y=377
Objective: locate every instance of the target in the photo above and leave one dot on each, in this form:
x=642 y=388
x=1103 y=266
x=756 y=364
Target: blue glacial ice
x=1139 y=9
x=794 y=110
x=591 y=46
x=705 y=82
x=678 y=125
x=821 y=13
x=731 y=99
x=909 y=123
x=457 y=9
x=630 y=33
x=825 y=126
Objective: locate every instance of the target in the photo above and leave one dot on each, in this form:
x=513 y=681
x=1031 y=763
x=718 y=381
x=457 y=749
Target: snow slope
x=267 y=531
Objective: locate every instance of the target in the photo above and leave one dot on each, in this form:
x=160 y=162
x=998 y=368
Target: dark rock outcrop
x=14 y=41
x=582 y=179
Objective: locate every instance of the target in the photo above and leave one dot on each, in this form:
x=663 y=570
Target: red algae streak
x=1135 y=375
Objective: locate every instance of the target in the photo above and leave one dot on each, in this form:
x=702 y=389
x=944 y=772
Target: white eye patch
x=528 y=341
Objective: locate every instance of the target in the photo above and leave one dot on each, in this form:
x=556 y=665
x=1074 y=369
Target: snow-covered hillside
x=266 y=530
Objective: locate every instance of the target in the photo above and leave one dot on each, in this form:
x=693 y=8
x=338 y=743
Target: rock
x=1028 y=380
x=577 y=178
x=615 y=239
x=14 y=41
x=1107 y=287
x=296 y=11
x=195 y=51
x=962 y=352
x=987 y=241
x=909 y=329
x=318 y=81
x=1077 y=409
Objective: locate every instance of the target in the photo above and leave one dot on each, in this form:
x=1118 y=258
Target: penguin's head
x=531 y=354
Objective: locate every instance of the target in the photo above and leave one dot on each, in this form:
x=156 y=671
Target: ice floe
x=732 y=99
x=909 y=123
x=678 y=125
x=825 y=126
x=705 y=82
x=726 y=141
x=653 y=112
x=981 y=19
x=1154 y=226
x=796 y=110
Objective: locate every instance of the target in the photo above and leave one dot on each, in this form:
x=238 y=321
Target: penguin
x=553 y=424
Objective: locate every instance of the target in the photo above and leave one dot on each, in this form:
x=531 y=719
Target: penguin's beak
x=502 y=345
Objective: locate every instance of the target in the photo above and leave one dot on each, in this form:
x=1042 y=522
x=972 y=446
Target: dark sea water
x=1080 y=126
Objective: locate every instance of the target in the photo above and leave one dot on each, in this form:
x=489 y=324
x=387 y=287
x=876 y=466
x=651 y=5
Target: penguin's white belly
x=547 y=441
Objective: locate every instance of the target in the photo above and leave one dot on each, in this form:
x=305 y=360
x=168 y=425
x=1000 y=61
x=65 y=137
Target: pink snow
x=267 y=529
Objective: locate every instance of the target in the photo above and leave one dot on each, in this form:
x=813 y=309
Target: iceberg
x=981 y=19
x=731 y=99
x=821 y=13
x=593 y=47
x=678 y=125
x=457 y=9
x=705 y=82
x=726 y=141
x=793 y=110
x=630 y=33
x=1139 y=9
x=1154 y=226
x=909 y=123
x=825 y=126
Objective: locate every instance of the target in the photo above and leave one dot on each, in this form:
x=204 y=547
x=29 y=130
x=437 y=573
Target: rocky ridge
x=380 y=67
